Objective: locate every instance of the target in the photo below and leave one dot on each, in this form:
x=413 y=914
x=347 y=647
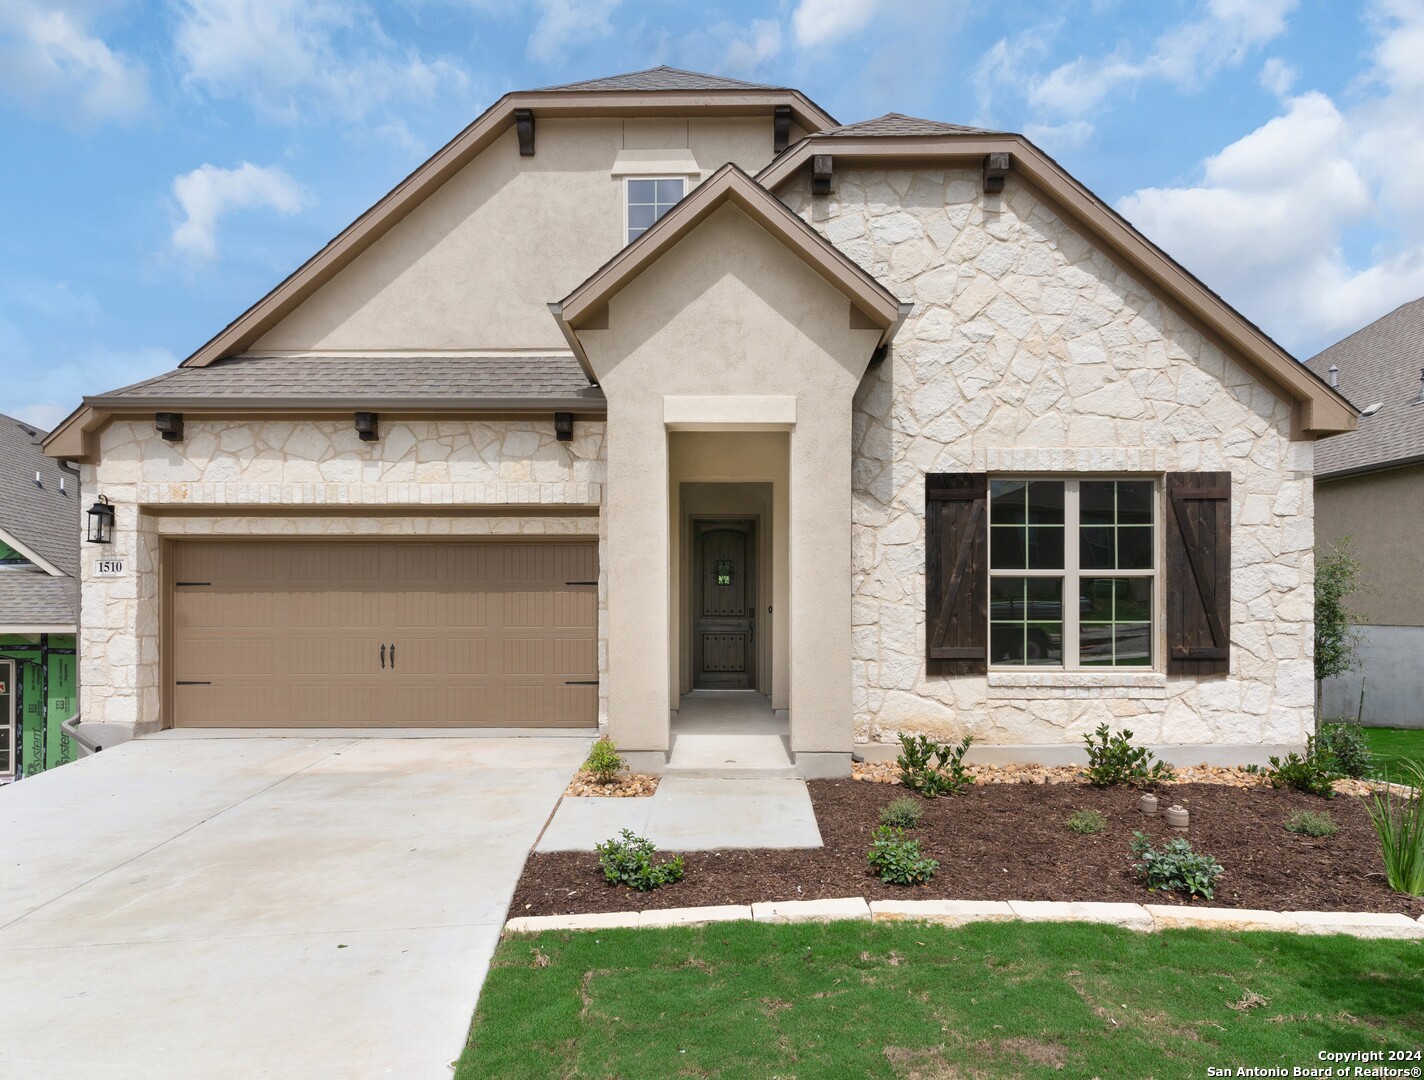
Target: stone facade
x=1030 y=351
x=226 y=476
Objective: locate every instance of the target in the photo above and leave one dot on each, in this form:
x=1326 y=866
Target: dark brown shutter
x=1198 y=572
x=957 y=573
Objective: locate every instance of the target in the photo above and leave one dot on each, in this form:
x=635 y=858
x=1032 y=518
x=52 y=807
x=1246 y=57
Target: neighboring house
x=1369 y=486
x=39 y=568
x=666 y=382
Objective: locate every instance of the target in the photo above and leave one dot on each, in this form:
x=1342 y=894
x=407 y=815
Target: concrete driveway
x=262 y=907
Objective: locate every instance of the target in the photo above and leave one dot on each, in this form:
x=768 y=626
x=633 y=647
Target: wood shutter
x=957 y=573
x=1198 y=572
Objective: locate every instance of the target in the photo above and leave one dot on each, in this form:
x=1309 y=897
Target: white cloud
x=821 y=22
x=52 y=60
x=1277 y=214
x=1278 y=77
x=563 y=23
x=750 y=49
x=208 y=193
x=1056 y=138
x=287 y=56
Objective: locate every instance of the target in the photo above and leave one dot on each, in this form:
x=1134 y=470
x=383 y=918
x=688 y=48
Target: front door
x=724 y=605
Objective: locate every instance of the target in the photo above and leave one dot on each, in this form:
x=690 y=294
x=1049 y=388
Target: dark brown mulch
x=1009 y=842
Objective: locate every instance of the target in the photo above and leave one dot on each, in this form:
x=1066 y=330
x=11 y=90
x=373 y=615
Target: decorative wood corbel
x=781 y=126
x=524 y=126
x=996 y=170
x=821 y=168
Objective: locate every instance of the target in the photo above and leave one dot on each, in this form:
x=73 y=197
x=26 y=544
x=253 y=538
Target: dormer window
x=649 y=198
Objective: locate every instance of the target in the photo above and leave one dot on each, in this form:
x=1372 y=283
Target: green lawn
x=916 y=1001
x=1391 y=745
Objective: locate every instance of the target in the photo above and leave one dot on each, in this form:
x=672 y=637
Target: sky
x=164 y=163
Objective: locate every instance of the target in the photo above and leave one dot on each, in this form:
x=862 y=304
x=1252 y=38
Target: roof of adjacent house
x=662 y=78
x=366 y=381
x=893 y=123
x=39 y=515
x=1383 y=364
x=31 y=597
x=42 y=518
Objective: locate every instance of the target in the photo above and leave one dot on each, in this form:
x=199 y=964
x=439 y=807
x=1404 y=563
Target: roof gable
x=1320 y=410
x=662 y=78
x=584 y=306
x=39 y=501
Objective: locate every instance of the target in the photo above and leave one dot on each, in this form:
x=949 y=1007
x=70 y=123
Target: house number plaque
x=109 y=567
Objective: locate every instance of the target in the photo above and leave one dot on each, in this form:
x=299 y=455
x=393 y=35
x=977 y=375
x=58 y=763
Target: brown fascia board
x=73 y=439
x=1320 y=409
x=459 y=152
x=729 y=184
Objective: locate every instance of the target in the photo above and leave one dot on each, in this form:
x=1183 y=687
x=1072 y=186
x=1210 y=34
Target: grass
x=1394 y=745
x=989 y=1000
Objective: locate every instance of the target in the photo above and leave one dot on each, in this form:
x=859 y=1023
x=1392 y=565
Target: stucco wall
x=1383 y=514
x=227 y=478
x=1029 y=351
x=474 y=266
x=729 y=311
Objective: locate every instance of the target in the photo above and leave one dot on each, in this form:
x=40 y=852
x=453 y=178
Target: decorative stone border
x=1144 y=918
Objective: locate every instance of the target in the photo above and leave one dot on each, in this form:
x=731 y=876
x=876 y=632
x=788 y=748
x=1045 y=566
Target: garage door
x=371 y=634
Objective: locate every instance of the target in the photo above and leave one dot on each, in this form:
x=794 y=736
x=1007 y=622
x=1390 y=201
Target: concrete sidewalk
x=693 y=814
x=293 y=908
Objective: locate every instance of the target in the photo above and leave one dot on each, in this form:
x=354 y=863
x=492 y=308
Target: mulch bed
x=1009 y=842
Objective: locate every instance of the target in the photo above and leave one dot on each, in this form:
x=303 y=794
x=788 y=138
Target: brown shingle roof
x=554 y=378
x=31 y=597
x=899 y=124
x=1378 y=364
x=663 y=78
x=38 y=515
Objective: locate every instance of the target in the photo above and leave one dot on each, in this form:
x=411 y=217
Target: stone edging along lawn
x=1142 y=917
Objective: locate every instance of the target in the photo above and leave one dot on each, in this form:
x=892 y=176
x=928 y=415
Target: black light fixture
x=367 y=426
x=101 y=522
x=564 y=426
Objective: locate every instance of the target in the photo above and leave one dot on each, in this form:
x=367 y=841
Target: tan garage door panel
x=368 y=634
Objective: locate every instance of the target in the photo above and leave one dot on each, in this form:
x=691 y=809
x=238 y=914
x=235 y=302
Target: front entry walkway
x=262 y=907
x=727 y=733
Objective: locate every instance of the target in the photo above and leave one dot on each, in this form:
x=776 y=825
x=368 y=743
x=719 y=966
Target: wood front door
x=724 y=605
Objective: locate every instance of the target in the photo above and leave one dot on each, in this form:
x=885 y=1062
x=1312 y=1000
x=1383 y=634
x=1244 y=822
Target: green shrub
x=1312 y=823
x=603 y=761
x=904 y=812
x=1087 y=822
x=1314 y=773
x=1346 y=743
x=1399 y=823
x=930 y=768
x=1175 y=867
x=899 y=861
x=1112 y=759
x=629 y=861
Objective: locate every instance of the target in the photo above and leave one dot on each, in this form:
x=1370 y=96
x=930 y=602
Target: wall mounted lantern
x=101 y=522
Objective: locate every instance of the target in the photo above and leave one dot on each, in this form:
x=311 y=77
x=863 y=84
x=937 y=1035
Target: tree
x=1338 y=576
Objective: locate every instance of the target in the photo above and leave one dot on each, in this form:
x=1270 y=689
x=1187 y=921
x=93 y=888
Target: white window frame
x=1071 y=574
x=628 y=225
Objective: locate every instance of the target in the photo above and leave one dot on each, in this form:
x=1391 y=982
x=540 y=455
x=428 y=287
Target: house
x=667 y=384
x=1369 y=486
x=39 y=586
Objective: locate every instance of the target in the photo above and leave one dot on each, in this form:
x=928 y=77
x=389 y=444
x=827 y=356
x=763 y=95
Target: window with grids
x=649 y=200
x=1092 y=543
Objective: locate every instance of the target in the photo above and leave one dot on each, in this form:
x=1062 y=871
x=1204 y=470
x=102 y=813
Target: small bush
x=1112 y=759
x=904 y=813
x=1175 y=867
x=1312 y=823
x=899 y=861
x=604 y=761
x=932 y=769
x=1087 y=822
x=1345 y=742
x=1314 y=773
x=1399 y=823
x=629 y=861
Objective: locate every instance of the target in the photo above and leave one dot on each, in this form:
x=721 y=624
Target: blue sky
x=167 y=162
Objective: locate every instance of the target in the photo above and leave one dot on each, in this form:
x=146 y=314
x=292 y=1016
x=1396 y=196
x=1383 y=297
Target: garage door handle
x=580 y=682
x=383 y=656
x=393 y=656
x=192 y=682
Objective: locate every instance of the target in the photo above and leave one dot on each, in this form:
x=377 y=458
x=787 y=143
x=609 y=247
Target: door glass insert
x=724 y=572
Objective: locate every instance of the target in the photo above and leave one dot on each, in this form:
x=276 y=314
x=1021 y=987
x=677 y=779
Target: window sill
x=1039 y=685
